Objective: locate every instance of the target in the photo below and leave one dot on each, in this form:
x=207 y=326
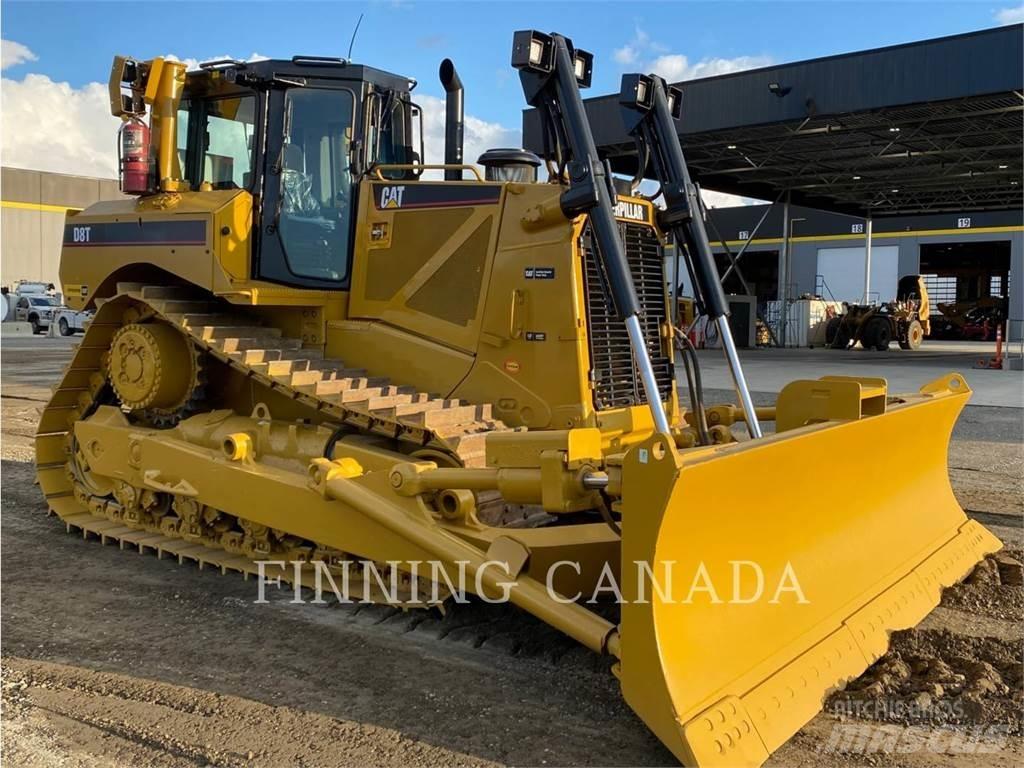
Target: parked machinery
x=507 y=405
x=876 y=326
x=971 y=319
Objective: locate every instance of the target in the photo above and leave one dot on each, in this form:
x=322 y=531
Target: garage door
x=842 y=269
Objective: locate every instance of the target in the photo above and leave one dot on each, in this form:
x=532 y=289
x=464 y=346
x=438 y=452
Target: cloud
x=1008 y=15
x=71 y=129
x=74 y=132
x=648 y=55
x=714 y=199
x=639 y=46
x=12 y=54
x=677 y=67
x=479 y=135
x=193 y=64
x=710 y=198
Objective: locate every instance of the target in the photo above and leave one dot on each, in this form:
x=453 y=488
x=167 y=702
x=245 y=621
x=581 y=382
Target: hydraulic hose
x=695 y=384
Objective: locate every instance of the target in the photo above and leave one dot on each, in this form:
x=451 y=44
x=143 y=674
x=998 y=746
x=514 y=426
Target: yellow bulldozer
x=311 y=349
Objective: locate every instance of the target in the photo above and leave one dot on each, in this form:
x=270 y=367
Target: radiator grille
x=616 y=381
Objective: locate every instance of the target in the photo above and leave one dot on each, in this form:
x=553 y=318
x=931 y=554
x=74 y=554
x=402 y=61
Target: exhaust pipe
x=453 y=119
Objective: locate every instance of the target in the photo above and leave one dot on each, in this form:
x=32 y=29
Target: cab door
x=307 y=210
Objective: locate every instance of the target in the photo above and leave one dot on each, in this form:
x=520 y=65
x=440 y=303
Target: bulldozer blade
x=789 y=560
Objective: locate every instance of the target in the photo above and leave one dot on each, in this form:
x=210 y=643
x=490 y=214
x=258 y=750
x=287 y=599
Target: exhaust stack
x=453 y=120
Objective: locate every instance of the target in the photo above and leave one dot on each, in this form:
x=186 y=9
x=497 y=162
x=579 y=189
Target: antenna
x=353 y=40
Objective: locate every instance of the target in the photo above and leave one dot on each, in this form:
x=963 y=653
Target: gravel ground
x=112 y=659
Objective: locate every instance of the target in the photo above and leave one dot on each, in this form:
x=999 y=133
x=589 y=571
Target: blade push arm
x=649 y=111
x=552 y=71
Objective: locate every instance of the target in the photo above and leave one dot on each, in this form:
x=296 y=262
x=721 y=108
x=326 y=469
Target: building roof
x=923 y=127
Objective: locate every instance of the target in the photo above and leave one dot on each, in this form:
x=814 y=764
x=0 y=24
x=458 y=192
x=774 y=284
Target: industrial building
x=34 y=204
x=962 y=257
x=881 y=163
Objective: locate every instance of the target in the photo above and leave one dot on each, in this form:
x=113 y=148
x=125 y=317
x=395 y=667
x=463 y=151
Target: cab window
x=388 y=129
x=215 y=141
x=227 y=157
x=316 y=182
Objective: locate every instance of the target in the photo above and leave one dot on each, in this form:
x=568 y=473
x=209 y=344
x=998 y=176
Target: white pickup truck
x=40 y=311
x=70 y=322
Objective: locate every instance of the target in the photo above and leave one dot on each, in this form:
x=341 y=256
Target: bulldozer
x=875 y=326
x=311 y=348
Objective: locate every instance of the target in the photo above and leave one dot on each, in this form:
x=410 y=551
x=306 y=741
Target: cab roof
x=252 y=73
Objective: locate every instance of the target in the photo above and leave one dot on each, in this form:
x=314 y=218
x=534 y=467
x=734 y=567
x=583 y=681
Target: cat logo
x=631 y=211
x=391 y=197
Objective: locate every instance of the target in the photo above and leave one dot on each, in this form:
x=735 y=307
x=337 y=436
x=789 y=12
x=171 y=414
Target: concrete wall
x=34 y=204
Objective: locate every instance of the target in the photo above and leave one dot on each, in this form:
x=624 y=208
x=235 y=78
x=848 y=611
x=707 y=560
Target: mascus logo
x=632 y=211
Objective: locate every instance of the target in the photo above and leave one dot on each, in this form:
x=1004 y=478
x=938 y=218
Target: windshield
x=42 y=301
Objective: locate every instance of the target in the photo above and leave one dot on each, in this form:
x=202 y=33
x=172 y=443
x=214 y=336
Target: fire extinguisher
x=133 y=146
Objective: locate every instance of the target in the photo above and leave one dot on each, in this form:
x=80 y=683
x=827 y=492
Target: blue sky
x=411 y=37
x=56 y=55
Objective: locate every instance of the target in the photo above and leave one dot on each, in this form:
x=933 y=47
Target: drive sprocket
x=154 y=370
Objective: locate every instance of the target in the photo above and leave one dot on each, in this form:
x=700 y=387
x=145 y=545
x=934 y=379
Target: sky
x=54 y=108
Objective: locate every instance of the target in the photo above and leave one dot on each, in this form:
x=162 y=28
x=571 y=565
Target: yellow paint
x=726 y=683
x=877 y=236
x=37 y=206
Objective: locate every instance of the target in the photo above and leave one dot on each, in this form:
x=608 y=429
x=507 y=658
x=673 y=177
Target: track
x=273 y=366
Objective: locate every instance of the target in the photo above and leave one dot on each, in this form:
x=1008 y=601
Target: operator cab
x=296 y=134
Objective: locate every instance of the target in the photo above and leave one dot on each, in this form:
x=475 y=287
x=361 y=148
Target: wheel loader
x=312 y=348
x=876 y=326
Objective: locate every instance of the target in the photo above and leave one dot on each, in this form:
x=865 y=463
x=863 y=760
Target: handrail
x=218 y=63
x=424 y=167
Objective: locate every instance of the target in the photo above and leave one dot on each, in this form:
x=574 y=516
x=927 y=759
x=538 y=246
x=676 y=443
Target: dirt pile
x=936 y=677
x=994 y=589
